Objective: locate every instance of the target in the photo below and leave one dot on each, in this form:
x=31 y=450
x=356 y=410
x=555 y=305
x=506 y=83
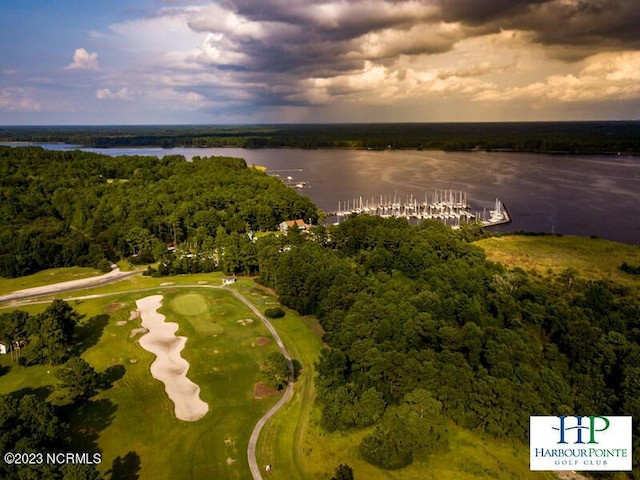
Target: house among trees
x=3 y=349
x=286 y=225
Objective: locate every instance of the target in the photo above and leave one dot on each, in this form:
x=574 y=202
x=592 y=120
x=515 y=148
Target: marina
x=540 y=191
x=447 y=206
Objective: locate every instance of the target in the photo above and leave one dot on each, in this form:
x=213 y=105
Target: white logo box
x=580 y=443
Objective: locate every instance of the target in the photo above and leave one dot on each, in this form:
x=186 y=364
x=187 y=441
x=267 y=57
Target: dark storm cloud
x=320 y=36
x=481 y=12
x=593 y=22
x=283 y=53
x=575 y=28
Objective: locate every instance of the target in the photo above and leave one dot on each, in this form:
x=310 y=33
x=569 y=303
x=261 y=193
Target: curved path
x=116 y=275
x=253 y=440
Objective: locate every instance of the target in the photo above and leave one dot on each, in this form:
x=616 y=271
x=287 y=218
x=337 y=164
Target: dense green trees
x=47 y=337
x=78 y=379
x=33 y=427
x=28 y=424
x=80 y=208
x=417 y=320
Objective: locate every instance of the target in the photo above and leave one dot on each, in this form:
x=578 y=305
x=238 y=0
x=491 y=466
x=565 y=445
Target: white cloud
x=604 y=77
x=218 y=50
x=167 y=31
x=83 y=60
x=215 y=19
x=18 y=99
x=106 y=94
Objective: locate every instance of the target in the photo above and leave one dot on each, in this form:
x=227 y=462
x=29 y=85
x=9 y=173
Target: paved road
x=114 y=275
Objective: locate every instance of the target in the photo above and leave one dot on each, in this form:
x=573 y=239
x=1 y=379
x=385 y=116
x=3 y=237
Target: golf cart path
x=253 y=440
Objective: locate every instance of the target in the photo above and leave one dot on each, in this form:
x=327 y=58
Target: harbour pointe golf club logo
x=580 y=443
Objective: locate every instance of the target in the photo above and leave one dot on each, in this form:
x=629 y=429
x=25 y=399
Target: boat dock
x=447 y=206
x=289 y=181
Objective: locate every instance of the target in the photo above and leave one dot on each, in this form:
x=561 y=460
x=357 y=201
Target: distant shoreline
x=555 y=138
x=73 y=146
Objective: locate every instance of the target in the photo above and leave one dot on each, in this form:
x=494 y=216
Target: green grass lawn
x=550 y=254
x=133 y=422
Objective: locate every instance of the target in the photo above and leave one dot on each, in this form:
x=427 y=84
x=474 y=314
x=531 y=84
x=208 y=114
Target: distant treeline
x=557 y=137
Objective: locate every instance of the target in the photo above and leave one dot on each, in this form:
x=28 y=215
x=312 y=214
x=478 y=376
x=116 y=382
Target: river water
x=567 y=194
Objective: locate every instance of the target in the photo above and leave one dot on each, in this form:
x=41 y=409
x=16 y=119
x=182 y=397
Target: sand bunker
x=169 y=367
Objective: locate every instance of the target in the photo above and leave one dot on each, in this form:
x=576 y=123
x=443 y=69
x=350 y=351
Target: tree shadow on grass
x=126 y=468
x=89 y=333
x=86 y=421
x=41 y=392
x=110 y=376
x=297 y=369
x=4 y=370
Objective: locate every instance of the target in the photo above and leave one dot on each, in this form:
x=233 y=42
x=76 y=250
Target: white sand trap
x=170 y=368
x=134 y=314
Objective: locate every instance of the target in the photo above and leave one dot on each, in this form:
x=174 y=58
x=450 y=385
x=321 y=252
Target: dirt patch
x=112 y=307
x=230 y=460
x=121 y=323
x=262 y=390
x=262 y=341
x=245 y=321
x=136 y=331
x=167 y=284
x=202 y=282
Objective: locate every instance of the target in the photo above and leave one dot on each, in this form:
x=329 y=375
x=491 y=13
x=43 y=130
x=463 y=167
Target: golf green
x=190 y=304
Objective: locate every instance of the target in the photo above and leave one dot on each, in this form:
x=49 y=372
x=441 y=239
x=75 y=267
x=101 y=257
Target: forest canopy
x=416 y=319
x=79 y=208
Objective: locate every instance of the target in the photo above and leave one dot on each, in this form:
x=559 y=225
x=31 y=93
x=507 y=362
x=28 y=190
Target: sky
x=75 y=62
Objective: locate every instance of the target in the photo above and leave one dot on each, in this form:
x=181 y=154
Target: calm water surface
x=569 y=194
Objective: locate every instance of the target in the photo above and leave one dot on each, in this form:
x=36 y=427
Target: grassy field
x=132 y=422
x=549 y=254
